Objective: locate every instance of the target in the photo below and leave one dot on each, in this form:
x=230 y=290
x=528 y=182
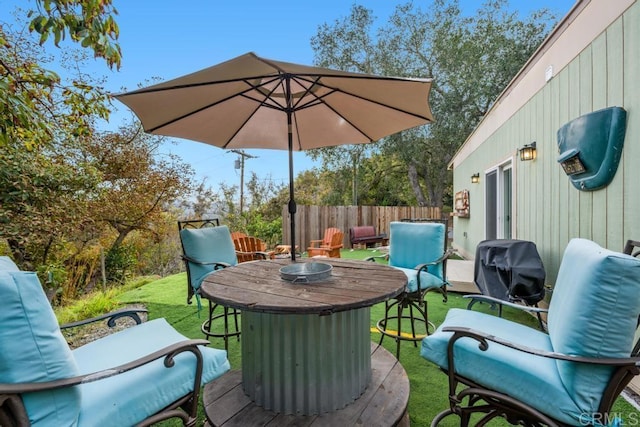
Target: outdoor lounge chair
x=137 y=376
x=249 y=248
x=329 y=246
x=419 y=249
x=570 y=376
x=206 y=250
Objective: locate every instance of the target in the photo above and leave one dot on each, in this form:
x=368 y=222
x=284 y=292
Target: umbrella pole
x=292 y=203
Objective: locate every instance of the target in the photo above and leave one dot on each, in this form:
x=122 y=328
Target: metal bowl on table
x=306 y=272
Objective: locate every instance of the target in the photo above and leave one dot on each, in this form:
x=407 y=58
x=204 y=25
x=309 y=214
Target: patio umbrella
x=253 y=102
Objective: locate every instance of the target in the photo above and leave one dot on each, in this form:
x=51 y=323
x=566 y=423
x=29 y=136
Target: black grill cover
x=510 y=270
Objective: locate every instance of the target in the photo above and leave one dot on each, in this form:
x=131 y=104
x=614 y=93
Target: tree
x=36 y=105
x=137 y=186
x=471 y=58
x=44 y=122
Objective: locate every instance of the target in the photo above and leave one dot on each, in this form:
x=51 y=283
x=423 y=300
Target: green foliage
x=91 y=305
x=119 y=262
x=37 y=107
x=53 y=277
x=263 y=217
x=88 y=22
x=269 y=231
x=42 y=197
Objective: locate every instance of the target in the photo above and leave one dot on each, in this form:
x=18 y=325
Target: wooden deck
x=384 y=402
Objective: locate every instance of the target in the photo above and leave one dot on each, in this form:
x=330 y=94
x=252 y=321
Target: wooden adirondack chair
x=237 y=234
x=329 y=246
x=250 y=248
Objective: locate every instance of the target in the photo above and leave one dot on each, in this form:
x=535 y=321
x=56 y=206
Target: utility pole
x=240 y=165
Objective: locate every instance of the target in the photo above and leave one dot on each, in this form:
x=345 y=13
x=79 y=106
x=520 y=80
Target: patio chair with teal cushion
x=137 y=376
x=568 y=376
x=419 y=249
x=206 y=250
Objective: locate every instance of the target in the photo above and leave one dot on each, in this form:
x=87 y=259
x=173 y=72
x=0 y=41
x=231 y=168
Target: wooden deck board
x=384 y=402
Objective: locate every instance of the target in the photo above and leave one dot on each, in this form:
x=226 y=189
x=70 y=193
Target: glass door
x=499 y=206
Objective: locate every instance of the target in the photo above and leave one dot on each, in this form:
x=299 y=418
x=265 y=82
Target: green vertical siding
x=615 y=237
x=549 y=210
x=631 y=102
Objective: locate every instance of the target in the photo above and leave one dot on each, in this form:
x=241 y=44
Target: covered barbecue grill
x=509 y=270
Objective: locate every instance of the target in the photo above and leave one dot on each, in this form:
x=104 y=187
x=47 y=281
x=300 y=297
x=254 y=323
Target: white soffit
x=577 y=30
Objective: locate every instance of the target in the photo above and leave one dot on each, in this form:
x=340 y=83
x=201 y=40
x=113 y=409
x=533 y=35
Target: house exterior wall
x=604 y=71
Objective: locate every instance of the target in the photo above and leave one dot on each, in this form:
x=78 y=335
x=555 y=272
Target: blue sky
x=166 y=39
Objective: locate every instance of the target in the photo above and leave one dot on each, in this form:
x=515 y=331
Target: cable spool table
x=306 y=347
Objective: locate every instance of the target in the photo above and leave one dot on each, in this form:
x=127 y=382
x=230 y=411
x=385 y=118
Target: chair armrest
x=169 y=353
x=444 y=256
x=492 y=300
x=425 y=266
x=217 y=265
x=315 y=243
x=111 y=318
x=375 y=257
x=484 y=339
x=264 y=255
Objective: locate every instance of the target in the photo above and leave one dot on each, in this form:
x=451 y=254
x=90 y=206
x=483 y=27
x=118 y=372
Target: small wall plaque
x=461 y=204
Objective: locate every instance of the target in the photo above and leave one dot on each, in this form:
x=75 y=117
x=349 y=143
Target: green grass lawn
x=167 y=298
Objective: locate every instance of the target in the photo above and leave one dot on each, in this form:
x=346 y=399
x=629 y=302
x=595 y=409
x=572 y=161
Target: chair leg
x=399 y=332
x=226 y=328
x=401 y=304
x=383 y=321
x=226 y=312
x=413 y=325
x=236 y=312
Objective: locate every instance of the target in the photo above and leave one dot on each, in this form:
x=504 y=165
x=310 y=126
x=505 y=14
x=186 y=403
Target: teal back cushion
x=415 y=243
x=593 y=312
x=32 y=349
x=7 y=264
x=211 y=244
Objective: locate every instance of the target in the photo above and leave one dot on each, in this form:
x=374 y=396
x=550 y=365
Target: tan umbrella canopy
x=253 y=102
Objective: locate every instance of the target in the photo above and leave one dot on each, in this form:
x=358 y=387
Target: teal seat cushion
x=533 y=380
x=131 y=397
x=206 y=245
x=7 y=264
x=593 y=313
x=32 y=349
x=427 y=280
x=415 y=243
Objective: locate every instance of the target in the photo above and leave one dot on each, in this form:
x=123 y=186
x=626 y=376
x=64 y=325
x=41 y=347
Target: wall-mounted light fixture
x=528 y=152
x=475 y=178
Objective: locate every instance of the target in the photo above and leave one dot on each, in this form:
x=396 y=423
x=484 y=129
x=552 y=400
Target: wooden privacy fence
x=311 y=221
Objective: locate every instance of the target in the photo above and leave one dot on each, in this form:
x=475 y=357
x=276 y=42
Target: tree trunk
x=415 y=185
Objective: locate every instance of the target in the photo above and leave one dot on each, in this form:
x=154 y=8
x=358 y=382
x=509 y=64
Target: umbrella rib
x=154 y=89
x=213 y=104
x=260 y=103
x=333 y=90
x=320 y=100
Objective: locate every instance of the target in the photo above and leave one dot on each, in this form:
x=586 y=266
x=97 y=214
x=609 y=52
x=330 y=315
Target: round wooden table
x=305 y=347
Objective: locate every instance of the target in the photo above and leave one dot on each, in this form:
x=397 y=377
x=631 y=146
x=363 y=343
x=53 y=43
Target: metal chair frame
x=226 y=311
x=499 y=405
x=413 y=300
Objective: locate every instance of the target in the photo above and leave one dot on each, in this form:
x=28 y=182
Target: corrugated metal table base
x=383 y=403
x=305 y=364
